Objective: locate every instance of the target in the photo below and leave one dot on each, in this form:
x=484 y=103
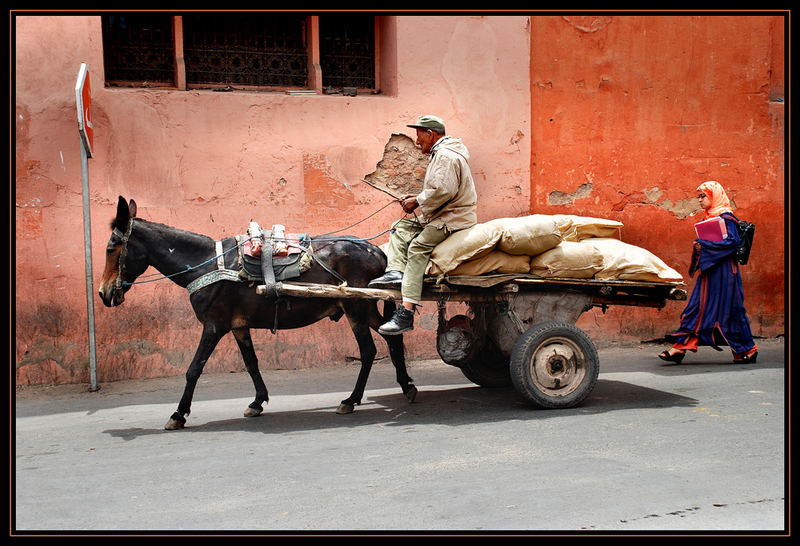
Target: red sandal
x=677 y=358
x=746 y=358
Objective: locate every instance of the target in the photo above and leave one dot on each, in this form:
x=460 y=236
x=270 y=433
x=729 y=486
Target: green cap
x=429 y=122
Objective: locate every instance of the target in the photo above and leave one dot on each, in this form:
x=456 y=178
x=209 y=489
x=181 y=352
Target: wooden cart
x=520 y=329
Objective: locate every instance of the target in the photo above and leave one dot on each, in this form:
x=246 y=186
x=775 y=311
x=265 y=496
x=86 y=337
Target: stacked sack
x=558 y=245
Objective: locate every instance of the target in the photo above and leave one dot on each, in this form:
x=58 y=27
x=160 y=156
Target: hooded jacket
x=448 y=196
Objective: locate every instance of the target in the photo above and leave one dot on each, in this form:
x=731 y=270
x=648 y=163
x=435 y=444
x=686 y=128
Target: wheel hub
x=555 y=366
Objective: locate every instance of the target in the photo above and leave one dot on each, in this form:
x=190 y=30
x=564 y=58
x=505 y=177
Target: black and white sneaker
x=391 y=279
x=402 y=321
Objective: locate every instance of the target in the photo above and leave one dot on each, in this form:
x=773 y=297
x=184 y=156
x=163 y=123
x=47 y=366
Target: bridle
x=123 y=253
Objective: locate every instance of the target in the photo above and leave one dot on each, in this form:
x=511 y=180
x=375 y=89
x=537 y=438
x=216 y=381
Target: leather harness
x=222 y=273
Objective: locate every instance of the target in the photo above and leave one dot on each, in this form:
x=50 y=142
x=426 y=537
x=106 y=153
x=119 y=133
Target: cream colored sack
x=463 y=245
x=529 y=235
x=495 y=261
x=624 y=261
x=576 y=228
x=568 y=259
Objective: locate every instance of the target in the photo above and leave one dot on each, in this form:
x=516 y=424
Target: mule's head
x=125 y=260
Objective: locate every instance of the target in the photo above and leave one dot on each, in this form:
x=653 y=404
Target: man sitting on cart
x=447 y=203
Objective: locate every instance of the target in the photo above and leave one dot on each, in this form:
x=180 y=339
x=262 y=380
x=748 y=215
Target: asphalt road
x=691 y=448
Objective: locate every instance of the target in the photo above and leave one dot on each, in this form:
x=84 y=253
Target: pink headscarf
x=719 y=199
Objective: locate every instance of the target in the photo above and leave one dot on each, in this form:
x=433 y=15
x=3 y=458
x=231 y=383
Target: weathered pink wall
x=631 y=114
x=624 y=116
x=209 y=162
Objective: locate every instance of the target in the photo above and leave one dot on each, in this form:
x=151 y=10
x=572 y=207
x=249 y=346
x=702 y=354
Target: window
x=249 y=50
x=347 y=50
x=138 y=49
x=241 y=50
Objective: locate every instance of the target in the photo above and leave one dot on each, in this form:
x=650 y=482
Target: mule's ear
x=132 y=208
x=123 y=214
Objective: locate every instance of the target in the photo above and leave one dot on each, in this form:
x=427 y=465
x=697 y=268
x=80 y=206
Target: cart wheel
x=554 y=365
x=489 y=368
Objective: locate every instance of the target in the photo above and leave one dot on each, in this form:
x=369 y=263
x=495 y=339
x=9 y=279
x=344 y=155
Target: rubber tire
x=489 y=368
x=536 y=383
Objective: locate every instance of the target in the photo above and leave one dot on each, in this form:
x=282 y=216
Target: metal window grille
x=347 y=50
x=138 y=48
x=253 y=50
x=245 y=49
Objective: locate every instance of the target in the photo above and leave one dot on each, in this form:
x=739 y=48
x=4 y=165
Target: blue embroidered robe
x=717 y=301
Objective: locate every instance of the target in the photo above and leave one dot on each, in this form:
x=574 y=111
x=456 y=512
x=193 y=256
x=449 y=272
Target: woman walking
x=717 y=301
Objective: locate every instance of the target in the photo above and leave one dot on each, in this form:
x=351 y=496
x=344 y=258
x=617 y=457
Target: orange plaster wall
x=624 y=116
x=209 y=162
x=631 y=114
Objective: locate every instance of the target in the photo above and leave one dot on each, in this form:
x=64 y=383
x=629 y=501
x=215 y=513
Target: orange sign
x=84 y=101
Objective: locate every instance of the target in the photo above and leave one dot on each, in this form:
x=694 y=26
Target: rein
x=124 y=252
x=125 y=237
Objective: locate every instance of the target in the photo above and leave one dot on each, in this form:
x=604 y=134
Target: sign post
x=86 y=132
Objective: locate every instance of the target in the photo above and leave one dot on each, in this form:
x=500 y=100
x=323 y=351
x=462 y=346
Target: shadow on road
x=449 y=407
x=47 y=400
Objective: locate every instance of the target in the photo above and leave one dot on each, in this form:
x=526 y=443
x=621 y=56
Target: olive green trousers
x=410 y=248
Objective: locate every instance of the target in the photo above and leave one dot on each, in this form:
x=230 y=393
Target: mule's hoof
x=176 y=421
x=411 y=395
x=252 y=412
x=174 y=424
x=344 y=409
